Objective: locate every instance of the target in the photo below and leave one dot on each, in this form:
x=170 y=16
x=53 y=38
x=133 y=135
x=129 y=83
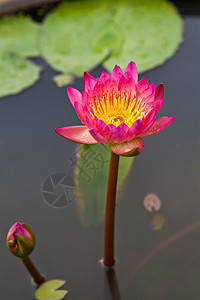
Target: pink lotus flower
x=116 y=109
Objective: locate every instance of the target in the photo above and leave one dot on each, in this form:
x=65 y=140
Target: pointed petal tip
x=86 y=74
x=132 y=69
x=89 y=81
x=79 y=134
x=57 y=130
x=116 y=71
x=74 y=95
x=159 y=91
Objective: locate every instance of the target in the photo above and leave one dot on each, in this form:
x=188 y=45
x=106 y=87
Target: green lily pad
x=110 y=38
x=16 y=74
x=67 y=33
x=48 y=290
x=152 y=29
x=78 y=35
x=91 y=175
x=19 y=35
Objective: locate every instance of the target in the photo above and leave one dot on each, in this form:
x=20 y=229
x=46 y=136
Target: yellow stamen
x=116 y=109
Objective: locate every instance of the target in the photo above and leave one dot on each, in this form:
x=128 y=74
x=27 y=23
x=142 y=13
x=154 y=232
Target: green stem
x=110 y=210
x=33 y=271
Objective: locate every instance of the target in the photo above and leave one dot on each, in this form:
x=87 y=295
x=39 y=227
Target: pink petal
x=110 y=86
x=159 y=125
x=104 y=76
x=116 y=72
x=89 y=82
x=149 y=93
x=107 y=129
x=147 y=126
x=153 y=88
x=118 y=134
x=149 y=120
x=132 y=69
x=98 y=90
x=89 y=120
x=74 y=95
x=126 y=84
x=100 y=125
x=79 y=110
x=151 y=114
x=134 y=129
x=157 y=105
x=142 y=85
x=98 y=137
x=88 y=101
x=130 y=148
x=84 y=98
x=159 y=92
x=78 y=134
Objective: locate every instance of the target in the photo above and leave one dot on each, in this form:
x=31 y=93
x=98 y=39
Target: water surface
x=151 y=264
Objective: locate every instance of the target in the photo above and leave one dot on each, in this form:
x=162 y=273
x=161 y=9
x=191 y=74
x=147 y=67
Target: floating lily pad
x=91 y=178
x=48 y=290
x=19 y=35
x=78 y=35
x=110 y=37
x=67 y=34
x=152 y=29
x=16 y=74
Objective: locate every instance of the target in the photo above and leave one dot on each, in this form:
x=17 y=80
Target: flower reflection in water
x=152 y=201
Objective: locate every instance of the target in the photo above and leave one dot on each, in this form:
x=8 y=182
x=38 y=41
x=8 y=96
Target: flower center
x=119 y=108
x=116 y=120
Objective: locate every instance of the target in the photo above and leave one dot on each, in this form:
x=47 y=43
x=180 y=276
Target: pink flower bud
x=20 y=240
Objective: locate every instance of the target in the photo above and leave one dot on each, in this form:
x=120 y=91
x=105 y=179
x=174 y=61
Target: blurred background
x=58 y=188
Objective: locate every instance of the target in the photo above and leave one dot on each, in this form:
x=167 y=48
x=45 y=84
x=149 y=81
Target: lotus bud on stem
x=21 y=242
x=110 y=210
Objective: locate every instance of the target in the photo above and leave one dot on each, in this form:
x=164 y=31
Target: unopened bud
x=20 y=240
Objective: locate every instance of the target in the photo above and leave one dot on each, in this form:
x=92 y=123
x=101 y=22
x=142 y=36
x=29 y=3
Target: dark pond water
x=151 y=264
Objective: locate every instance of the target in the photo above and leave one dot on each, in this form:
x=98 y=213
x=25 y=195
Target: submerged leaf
x=16 y=74
x=19 y=35
x=91 y=178
x=48 y=290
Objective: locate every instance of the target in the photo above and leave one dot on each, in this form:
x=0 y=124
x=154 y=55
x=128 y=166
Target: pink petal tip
x=78 y=134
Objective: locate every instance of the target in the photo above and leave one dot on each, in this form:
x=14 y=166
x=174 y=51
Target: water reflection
x=158 y=221
x=153 y=253
x=181 y=273
x=112 y=283
x=152 y=201
x=163 y=168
